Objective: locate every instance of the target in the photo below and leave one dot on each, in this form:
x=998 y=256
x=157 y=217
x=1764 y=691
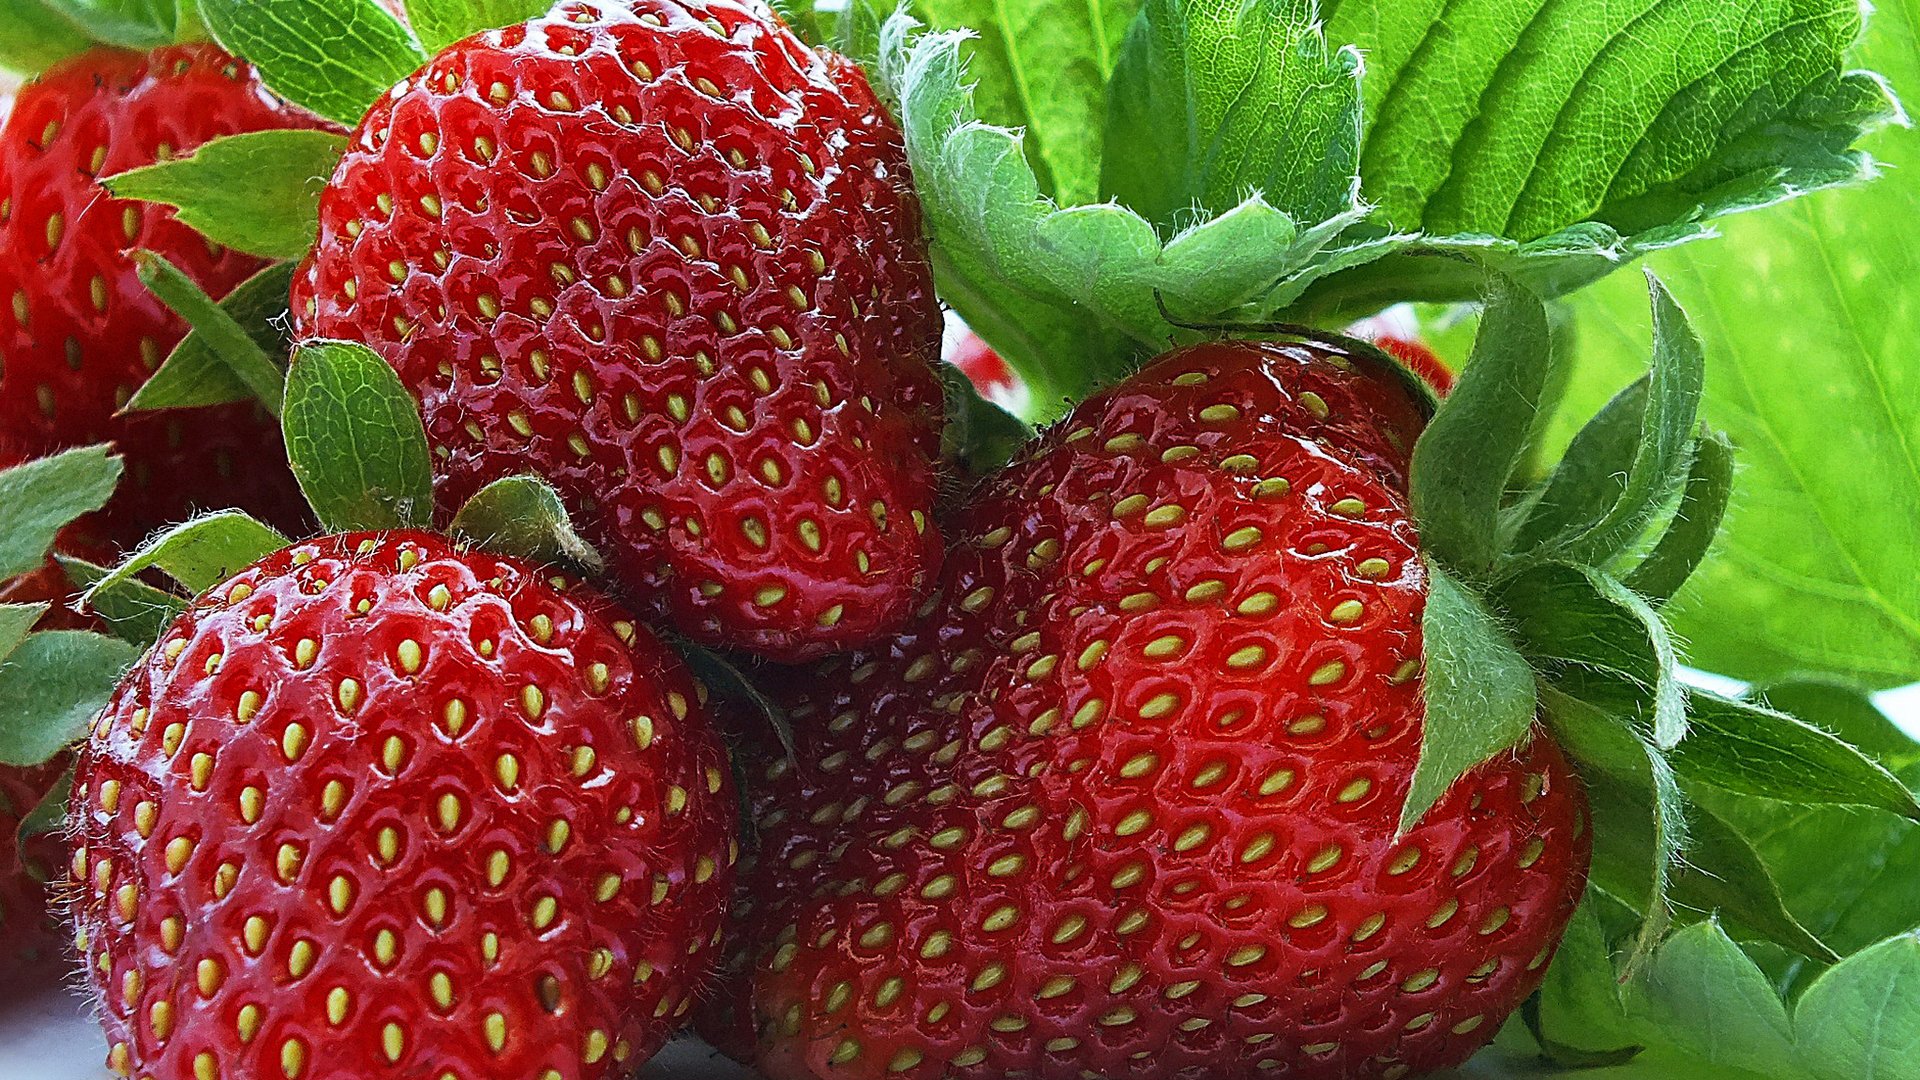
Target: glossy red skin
x=27 y=935
x=1201 y=954
x=92 y=333
x=654 y=823
x=589 y=324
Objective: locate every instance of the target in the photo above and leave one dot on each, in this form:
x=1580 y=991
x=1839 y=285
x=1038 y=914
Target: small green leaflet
x=258 y=192
x=42 y=496
x=1751 y=750
x=1597 y=641
x=1214 y=100
x=1713 y=1002
x=1041 y=67
x=133 y=609
x=1848 y=712
x=52 y=687
x=723 y=675
x=198 y=554
x=1861 y=1020
x=523 y=516
x=15 y=621
x=1479 y=692
x=440 y=23
x=204 y=368
x=334 y=57
x=1072 y=297
x=224 y=337
x=1596 y=505
x=130 y=24
x=355 y=441
x=32 y=38
x=1466 y=458
x=46 y=819
x=1723 y=873
x=1695 y=524
x=1577 y=1017
x=1563 y=138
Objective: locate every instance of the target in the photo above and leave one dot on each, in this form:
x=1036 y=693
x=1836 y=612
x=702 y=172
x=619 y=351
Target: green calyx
x=1545 y=607
x=35 y=34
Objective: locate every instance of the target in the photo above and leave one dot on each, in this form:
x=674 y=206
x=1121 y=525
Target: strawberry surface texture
x=667 y=257
x=79 y=333
x=381 y=807
x=1124 y=803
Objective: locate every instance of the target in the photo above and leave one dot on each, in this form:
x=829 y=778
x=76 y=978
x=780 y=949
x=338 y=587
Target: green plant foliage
x=355 y=441
x=258 y=192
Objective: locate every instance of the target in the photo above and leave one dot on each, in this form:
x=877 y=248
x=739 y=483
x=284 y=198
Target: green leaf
x=1861 y=1020
x=198 y=373
x=226 y=338
x=1214 y=100
x=1724 y=874
x=43 y=495
x=1072 y=297
x=1755 y=751
x=1804 y=313
x=1707 y=998
x=52 y=687
x=257 y=192
x=1695 y=524
x=440 y=23
x=1579 y=1018
x=333 y=57
x=130 y=24
x=15 y=621
x=800 y=15
x=49 y=818
x=1602 y=516
x=1479 y=692
x=1848 y=712
x=134 y=610
x=523 y=516
x=33 y=37
x=1639 y=814
x=727 y=680
x=198 y=554
x=1566 y=137
x=1598 y=642
x=355 y=441
x=1042 y=67
x=1467 y=456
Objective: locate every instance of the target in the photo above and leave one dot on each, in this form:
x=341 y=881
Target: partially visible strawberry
x=1126 y=803
x=667 y=257
x=27 y=935
x=1420 y=359
x=79 y=333
x=990 y=375
x=382 y=807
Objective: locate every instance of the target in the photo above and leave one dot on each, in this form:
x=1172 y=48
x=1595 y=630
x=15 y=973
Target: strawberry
x=1419 y=359
x=665 y=256
x=379 y=806
x=26 y=936
x=990 y=375
x=78 y=331
x=1126 y=802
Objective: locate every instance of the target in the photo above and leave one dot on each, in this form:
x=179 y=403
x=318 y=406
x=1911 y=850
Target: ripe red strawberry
x=78 y=332
x=667 y=257
x=1419 y=359
x=1125 y=804
x=990 y=375
x=26 y=930
x=382 y=807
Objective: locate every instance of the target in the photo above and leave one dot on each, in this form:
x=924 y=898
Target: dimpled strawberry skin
x=1125 y=803
x=379 y=807
x=78 y=332
x=668 y=258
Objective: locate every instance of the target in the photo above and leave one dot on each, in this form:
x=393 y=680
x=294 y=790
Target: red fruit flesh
x=27 y=936
x=381 y=807
x=1420 y=360
x=78 y=332
x=668 y=258
x=1125 y=803
x=985 y=369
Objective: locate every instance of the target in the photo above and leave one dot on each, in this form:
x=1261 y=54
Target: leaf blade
x=333 y=57
x=44 y=495
x=199 y=372
x=225 y=337
x=257 y=192
x=198 y=554
x=524 y=516
x=355 y=440
x=440 y=23
x=52 y=687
